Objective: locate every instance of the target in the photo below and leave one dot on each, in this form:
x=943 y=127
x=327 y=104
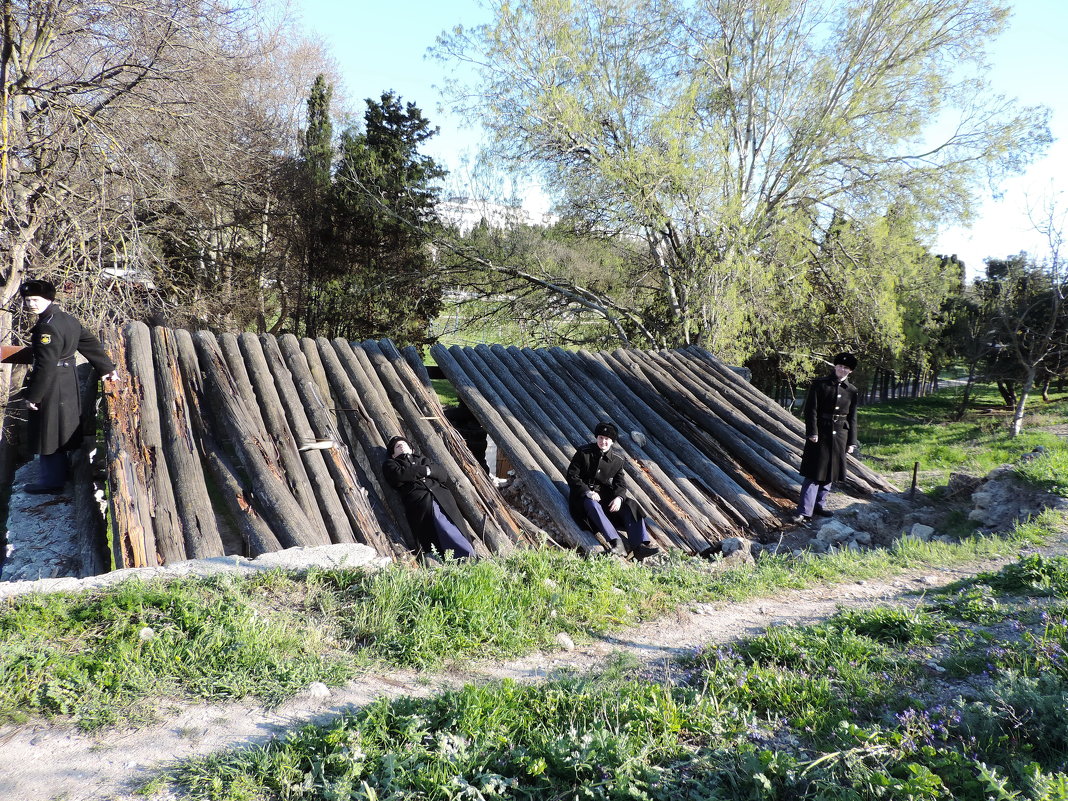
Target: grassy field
x=899 y=433
x=960 y=698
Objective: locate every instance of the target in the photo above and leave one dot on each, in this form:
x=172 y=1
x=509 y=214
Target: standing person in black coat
x=52 y=394
x=830 y=433
x=429 y=506
x=598 y=499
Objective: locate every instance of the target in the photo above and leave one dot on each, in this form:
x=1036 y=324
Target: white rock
x=565 y=642
x=834 y=531
x=318 y=690
x=921 y=532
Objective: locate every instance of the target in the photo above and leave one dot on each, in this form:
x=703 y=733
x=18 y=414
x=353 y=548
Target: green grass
x=902 y=432
x=886 y=703
x=95 y=656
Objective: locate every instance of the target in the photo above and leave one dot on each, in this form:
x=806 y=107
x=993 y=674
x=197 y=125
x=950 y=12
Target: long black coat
x=602 y=473
x=830 y=413
x=53 y=385
x=420 y=482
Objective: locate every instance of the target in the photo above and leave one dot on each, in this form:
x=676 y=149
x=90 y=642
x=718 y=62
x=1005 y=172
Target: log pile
x=246 y=444
x=711 y=455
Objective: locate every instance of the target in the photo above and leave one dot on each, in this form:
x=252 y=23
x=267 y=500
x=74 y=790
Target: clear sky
x=382 y=45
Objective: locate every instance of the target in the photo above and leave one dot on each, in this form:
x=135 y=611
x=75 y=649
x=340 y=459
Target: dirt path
x=43 y=761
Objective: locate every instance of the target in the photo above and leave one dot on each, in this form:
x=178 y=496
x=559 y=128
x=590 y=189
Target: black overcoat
x=603 y=473
x=830 y=413
x=420 y=482
x=53 y=384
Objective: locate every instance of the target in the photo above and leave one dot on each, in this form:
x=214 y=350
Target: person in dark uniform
x=598 y=494
x=52 y=393
x=830 y=433
x=428 y=504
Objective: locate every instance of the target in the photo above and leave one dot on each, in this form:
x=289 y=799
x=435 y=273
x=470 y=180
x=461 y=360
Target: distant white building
x=465 y=213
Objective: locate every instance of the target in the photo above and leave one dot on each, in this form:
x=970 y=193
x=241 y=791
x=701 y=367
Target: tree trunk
x=1025 y=392
x=334 y=512
x=287 y=519
x=234 y=488
x=166 y=523
x=279 y=434
x=199 y=529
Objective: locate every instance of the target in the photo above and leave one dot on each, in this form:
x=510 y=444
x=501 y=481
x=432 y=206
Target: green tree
x=378 y=278
x=731 y=135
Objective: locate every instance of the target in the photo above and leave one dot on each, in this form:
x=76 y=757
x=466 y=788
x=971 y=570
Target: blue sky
x=382 y=45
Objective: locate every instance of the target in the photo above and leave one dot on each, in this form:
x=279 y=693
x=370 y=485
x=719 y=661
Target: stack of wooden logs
x=711 y=454
x=246 y=444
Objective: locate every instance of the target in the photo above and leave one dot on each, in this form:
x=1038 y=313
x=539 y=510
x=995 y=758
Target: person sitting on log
x=52 y=394
x=429 y=506
x=598 y=499
x=830 y=414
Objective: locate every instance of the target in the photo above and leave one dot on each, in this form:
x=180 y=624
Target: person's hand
x=851 y=448
x=30 y=405
x=112 y=376
x=814 y=438
x=593 y=496
x=615 y=505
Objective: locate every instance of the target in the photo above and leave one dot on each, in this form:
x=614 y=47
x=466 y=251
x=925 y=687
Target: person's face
x=401 y=447
x=604 y=443
x=842 y=372
x=35 y=303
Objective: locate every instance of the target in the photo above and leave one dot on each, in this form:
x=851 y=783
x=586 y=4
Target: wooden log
x=334 y=513
x=706 y=474
x=734 y=430
x=706 y=445
x=277 y=430
x=755 y=458
x=235 y=363
x=310 y=348
x=479 y=524
x=495 y=417
x=134 y=542
x=166 y=524
x=697 y=522
x=366 y=440
x=286 y=518
x=233 y=488
x=200 y=532
x=415 y=361
x=387 y=537
x=514 y=525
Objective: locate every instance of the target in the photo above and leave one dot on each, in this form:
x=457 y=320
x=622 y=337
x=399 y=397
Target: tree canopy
x=750 y=144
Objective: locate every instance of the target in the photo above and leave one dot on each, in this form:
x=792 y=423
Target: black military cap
x=606 y=430
x=40 y=289
x=846 y=359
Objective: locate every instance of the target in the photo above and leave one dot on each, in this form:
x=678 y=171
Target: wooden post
x=199 y=529
x=234 y=489
x=287 y=519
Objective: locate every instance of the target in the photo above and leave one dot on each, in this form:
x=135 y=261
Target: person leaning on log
x=428 y=504
x=598 y=498
x=830 y=414
x=52 y=393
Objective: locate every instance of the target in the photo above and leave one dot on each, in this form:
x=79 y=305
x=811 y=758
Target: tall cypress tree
x=316 y=165
x=381 y=281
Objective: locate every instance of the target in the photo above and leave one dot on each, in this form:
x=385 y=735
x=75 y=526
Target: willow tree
x=729 y=134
